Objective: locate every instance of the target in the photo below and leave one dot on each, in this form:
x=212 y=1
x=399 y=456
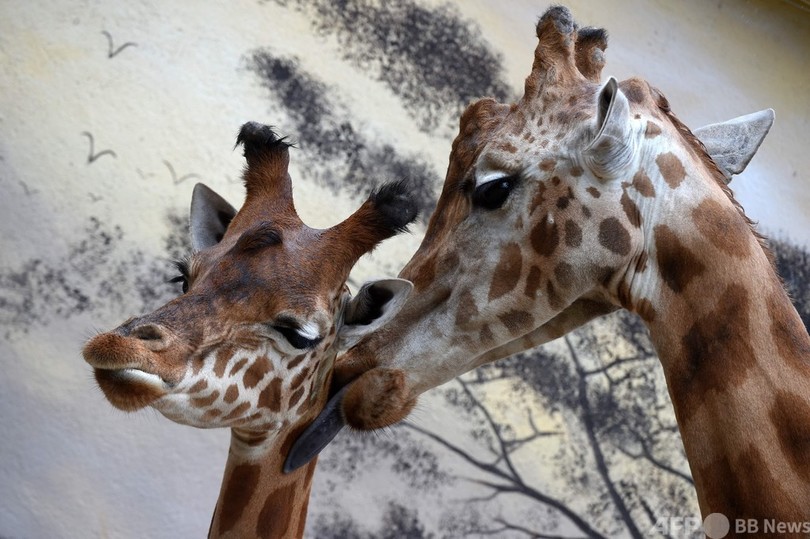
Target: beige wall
x=70 y=465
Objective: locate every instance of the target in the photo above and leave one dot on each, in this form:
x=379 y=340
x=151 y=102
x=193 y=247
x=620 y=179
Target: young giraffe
x=251 y=343
x=577 y=200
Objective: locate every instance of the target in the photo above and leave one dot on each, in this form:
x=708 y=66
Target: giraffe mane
x=714 y=171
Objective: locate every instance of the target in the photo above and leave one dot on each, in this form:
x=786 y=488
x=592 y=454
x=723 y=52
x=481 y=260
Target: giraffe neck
x=737 y=361
x=256 y=499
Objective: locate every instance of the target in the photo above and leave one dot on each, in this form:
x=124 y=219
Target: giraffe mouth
x=129 y=388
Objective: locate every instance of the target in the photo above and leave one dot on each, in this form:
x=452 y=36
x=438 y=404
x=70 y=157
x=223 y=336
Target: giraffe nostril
x=148 y=332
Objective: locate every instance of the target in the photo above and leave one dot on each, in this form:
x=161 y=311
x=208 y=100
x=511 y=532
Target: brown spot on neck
x=652 y=130
x=237 y=491
x=573 y=234
x=724 y=227
x=790 y=414
x=788 y=331
x=743 y=487
x=676 y=263
x=671 y=169
x=614 y=237
x=643 y=184
x=276 y=515
x=631 y=210
x=716 y=353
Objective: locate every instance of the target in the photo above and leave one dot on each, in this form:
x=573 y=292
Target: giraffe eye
x=181 y=279
x=297 y=340
x=493 y=194
x=183 y=267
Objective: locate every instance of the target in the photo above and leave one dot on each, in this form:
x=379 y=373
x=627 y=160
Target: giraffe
x=586 y=197
x=251 y=342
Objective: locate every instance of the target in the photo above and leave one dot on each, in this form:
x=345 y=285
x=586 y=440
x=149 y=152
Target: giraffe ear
x=375 y=304
x=733 y=143
x=210 y=216
x=611 y=150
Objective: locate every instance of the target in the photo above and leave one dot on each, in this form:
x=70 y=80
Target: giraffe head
x=251 y=341
x=545 y=219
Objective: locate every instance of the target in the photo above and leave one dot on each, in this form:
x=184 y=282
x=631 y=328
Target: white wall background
x=71 y=465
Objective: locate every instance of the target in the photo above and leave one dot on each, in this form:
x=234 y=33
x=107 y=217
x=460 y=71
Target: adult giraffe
x=251 y=343
x=580 y=199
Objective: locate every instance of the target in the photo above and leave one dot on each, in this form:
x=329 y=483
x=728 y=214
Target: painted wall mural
x=110 y=112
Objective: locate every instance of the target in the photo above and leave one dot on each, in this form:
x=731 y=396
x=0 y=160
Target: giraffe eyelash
x=182 y=265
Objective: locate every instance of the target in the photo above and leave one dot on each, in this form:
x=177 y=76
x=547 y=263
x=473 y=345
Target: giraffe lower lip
x=137 y=375
x=131 y=389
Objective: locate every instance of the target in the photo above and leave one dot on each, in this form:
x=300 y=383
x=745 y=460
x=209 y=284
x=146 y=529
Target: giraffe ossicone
x=586 y=197
x=251 y=342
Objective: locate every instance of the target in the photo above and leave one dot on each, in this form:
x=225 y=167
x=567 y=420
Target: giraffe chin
x=130 y=389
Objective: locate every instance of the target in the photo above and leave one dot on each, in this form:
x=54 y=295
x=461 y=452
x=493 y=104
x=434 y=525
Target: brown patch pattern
x=564 y=273
x=790 y=414
x=236 y=495
x=271 y=396
x=516 y=322
x=671 y=169
x=788 y=332
x=507 y=272
x=238 y=366
x=737 y=488
x=594 y=192
x=294 y=362
x=652 y=130
x=545 y=237
x=547 y=164
x=230 y=394
x=237 y=412
x=717 y=353
x=224 y=354
x=614 y=237
x=554 y=300
x=643 y=184
x=204 y=402
x=257 y=371
x=724 y=227
x=677 y=264
x=631 y=210
x=201 y=385
x=533 y=282
x=275 y=517
x=573 y=234
x=486 y=335
x=467 y=309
